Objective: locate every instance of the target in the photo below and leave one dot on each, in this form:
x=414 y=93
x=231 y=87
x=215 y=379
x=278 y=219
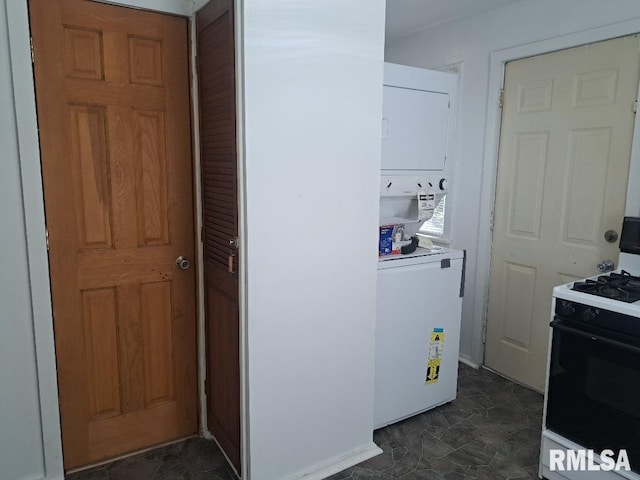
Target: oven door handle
x=597 y=338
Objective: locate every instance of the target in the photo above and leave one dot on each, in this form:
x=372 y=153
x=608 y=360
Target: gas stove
x=592 y=396
x=618 y=291
x=617 y=286
x=567 y=292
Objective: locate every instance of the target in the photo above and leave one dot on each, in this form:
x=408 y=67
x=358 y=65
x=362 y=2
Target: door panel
x=113 y=99
x=216 y=79
x=563 y=167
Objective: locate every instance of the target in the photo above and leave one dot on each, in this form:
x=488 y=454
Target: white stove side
x=544 y=452
x=553 y=441
x=629 y=262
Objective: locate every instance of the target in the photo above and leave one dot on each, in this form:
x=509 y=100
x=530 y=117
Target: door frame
x=497 y=65
x=34 y=217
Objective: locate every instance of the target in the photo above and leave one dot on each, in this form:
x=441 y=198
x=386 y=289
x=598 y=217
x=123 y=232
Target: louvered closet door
x=216 y=78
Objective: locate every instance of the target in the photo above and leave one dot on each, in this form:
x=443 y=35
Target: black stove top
x=617 y=286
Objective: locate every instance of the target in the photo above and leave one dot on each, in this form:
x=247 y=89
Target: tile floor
x=193 y=459
x=490 y=432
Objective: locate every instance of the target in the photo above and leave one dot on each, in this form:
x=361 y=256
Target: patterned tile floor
x=192 y=459
x=490 y=432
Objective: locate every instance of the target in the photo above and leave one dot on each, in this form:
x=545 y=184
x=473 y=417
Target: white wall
x=471 y=41
x=21 y=454
x=313 y=103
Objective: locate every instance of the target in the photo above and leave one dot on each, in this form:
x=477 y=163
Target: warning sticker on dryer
x=435 y=355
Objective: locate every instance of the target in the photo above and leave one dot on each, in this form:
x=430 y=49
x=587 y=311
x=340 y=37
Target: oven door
x=594 y=388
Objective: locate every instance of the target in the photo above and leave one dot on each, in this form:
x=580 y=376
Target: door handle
x=231 y=263
x=183 y=263
x=385 y=127
x=559 y=325
x=231 y=259
x=606 y=266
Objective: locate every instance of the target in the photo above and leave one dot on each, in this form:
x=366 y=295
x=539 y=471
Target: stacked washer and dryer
x=419 y=293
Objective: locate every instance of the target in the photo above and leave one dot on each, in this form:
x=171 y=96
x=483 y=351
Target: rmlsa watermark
x=585 y=461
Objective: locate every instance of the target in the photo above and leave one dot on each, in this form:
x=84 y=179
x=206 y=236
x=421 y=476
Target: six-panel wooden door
x=113 y=102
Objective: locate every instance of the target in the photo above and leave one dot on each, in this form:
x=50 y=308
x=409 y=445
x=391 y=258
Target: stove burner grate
x=617 y=286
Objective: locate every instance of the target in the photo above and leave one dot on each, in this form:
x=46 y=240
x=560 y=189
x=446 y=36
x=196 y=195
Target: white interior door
x=567 y=126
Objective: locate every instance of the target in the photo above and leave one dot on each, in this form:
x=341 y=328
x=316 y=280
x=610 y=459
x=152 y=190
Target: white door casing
x=564 y=155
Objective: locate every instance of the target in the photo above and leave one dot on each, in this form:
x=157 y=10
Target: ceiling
x=405 y=17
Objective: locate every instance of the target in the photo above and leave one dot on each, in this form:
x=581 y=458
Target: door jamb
x=34 y=217
x=197 y=207
x=243 y=269
x=498 y=61
x=34 y=222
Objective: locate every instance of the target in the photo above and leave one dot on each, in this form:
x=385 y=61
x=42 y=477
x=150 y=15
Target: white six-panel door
x=563 y=166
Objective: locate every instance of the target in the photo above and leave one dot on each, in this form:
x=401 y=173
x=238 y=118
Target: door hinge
x=33 y=56
x=484 y=333
x=46 y=237
x=635 y=107
x=491 y=220
x=501 y=99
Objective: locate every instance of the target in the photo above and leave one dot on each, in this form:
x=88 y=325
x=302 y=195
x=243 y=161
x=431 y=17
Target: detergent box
x=390 y=238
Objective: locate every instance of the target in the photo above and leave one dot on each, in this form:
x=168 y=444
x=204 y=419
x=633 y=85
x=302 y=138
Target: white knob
x=443 y=183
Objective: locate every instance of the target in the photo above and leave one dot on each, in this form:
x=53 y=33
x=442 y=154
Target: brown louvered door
x=112 y=89
x=216 y=78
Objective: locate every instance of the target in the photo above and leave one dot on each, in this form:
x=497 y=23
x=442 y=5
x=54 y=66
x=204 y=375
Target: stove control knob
x=567 y=308
x=443 y=184
x=590 y=314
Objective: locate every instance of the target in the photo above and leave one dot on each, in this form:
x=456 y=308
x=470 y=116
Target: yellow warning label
x=435 y=355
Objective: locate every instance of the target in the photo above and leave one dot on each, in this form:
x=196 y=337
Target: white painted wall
x=313 y=102
x=472 y=42
x=21 y=454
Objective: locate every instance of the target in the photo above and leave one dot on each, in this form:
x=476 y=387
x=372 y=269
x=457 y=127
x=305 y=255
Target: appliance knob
x=443 y=184
x=589 y=315
x=567 y=308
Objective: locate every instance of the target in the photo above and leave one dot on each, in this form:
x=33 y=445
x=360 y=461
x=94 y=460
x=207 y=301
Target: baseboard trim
x=338 y=464
x=467 y=361
x=209 y=436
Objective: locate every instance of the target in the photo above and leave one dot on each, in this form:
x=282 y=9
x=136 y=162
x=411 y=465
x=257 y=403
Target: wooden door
x=564 y=155
x=216 y=80
x=113 y=103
